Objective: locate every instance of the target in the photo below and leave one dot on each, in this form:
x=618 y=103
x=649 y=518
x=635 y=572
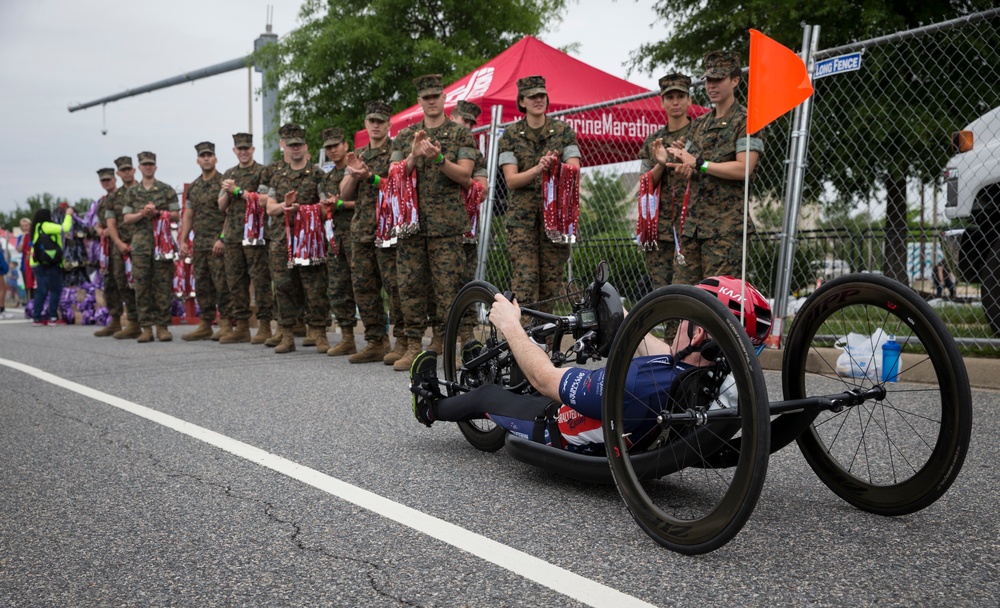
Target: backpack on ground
x=47 y=251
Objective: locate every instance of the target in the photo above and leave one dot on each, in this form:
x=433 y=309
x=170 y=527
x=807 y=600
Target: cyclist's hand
x=505 y=314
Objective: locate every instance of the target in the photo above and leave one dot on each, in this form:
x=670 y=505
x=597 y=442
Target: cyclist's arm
x=533 y=361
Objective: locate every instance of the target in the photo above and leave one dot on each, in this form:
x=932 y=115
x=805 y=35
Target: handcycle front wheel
x=894 y=455
x=694 y=504
x=467 y=331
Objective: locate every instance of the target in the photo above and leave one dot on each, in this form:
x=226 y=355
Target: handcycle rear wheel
x=468 y=320
x=695 y=504
x=895 y=455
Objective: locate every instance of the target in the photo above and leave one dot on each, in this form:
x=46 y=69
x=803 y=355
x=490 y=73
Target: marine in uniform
x=373 y=266
x=120 y=234
x=443 y=154
x=338 y=264
x=153 y=278
x=713 y=233
x=675 y=97
x=527 y=149
x=112 y=295
x=246 y=263
x=467 y=113
x=290 y=186
x=202 y=214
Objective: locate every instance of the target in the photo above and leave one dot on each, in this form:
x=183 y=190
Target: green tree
x=10 y=219
x=876 y=128
x=348 y=53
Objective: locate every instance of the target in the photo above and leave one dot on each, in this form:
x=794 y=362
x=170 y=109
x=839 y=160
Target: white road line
x=558 y=579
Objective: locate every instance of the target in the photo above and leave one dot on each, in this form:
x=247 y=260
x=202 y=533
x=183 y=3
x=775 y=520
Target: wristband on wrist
x=222 y=237
x=238 y=191
x=374 y=180
x=439 y=160
x=704 y=166
x=340 y=204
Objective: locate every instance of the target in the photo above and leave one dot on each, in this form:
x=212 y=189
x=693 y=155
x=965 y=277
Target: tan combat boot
x=347 y=346
x=263 y=332
x=110 y=329
x=374 y=351
x=225 y=330
x=146 y=335
x=239 y=335
x=163 y=334
x=203 y=332
x=275 y=339
x=287 y=343
x=412 y=350
x=396 y=353
x=322 y=343
x=437 y=343
x=300 y=330
x=131 y=331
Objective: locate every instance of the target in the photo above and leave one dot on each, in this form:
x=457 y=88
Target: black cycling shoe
x=424 y=386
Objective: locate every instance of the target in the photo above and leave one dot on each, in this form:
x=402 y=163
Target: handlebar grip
x=509 y=295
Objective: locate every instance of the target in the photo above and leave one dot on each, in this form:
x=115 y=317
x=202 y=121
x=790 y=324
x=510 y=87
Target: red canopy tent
x=606 y=135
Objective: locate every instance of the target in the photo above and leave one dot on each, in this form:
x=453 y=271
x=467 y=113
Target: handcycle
x=888 y=446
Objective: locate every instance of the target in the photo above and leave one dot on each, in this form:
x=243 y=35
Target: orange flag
x=778 y=81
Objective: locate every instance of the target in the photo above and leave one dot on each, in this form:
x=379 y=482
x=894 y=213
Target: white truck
x=972 y=181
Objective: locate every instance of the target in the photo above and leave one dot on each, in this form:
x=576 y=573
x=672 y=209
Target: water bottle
x=890 y=360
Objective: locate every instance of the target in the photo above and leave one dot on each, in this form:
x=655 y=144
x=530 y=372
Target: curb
x=983 y=373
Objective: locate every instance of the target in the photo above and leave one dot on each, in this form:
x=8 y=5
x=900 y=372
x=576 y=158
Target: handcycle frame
x=794 y=417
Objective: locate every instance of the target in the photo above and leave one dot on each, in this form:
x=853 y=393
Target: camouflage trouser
x=709 y=257
x=340 y=290
x=471 y=259
x=300 y=291
x=368 y=280
x=116 y=289
x=537 y=265
x=154 y=287
x=243 y=266
x=660 y=264
x=211 y=289
x=422 y=262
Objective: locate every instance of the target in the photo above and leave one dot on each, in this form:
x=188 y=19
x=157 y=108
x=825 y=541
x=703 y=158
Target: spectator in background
x=48 y=269
x=943 y=279
x=4 y=269
x=24 y=247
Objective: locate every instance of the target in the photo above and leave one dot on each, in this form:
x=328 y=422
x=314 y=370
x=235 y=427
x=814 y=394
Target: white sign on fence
x=838 y=65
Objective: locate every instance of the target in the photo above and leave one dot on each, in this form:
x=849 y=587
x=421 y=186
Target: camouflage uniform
x=713 y=232
x=114 y=294
x=373 y=268
x=340 y=290
x=537 y=264
x=300 y=291
x=246 y=264
x=209 y=270
x=114 y=205
x=433 y=256
x=153 y=279
x=660 y=261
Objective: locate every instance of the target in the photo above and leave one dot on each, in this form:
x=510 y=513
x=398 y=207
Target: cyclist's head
x=757 y=319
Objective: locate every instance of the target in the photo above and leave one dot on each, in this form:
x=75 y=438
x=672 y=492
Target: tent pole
x=486 y=213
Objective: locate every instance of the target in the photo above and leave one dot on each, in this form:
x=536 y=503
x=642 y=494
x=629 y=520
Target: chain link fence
x=875 y=195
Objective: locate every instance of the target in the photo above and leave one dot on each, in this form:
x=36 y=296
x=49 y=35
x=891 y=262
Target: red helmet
x=757 y=319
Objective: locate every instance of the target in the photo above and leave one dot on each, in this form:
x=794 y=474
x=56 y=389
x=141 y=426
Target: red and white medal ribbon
x=403 y=198
x=331 y=237
x=308 y=244
x=183 y=278
x=647 y=227
x=678 y=255
x=472 y=197
x=163 y=238
x=561 y=202
x=253 y=221
x=127 y=258
x=105 y=254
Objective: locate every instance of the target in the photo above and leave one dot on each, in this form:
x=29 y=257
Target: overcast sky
x=55 y=53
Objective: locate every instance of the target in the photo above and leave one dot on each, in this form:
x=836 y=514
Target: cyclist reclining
x=577 y=392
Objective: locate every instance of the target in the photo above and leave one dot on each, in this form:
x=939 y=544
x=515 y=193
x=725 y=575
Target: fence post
x=793 y=192
x=486 y=214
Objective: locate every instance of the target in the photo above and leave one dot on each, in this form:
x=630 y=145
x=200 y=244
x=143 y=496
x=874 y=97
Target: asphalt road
x=311 y=490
